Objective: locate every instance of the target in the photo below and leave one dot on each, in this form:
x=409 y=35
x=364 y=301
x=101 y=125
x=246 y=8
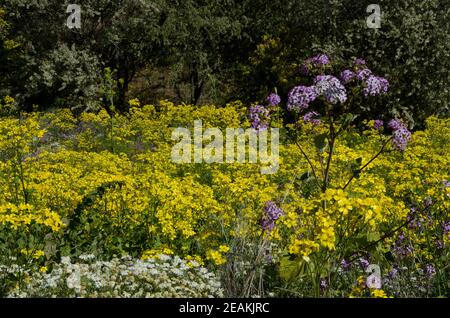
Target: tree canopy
x=219 y=50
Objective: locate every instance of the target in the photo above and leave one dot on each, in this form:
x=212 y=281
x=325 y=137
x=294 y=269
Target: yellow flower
x=43 y=269
x=378 y=293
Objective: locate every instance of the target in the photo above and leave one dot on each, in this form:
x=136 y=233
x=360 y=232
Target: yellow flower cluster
x=115 y=174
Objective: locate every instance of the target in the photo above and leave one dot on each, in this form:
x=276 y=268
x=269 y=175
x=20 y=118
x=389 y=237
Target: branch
x=368 y=163
x=307 y=159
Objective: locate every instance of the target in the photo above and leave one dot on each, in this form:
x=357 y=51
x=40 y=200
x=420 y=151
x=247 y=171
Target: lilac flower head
x=446 y=183
x=320 y=59
x=271 y=213
x=310 y=118
x=401 y=134
x=375 y=86
x=347 y=76
x=360 y=62
x=364 y=263
x=323 y=284
x=393 y=273
x=430 y=271
x=300 y=97
x=313 y=62
x=378 y=124
x=401 y=138
x=273 y=99
x=447 y=228
x=395 y=124
x=345 y=265
x=259 y=116
x=363 y=74
x=331 y=88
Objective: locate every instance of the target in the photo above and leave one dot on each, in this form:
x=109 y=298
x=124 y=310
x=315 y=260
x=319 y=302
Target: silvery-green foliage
x=124 y=277
x=71 y=72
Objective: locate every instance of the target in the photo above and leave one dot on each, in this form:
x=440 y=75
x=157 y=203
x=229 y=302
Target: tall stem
x=367 y=164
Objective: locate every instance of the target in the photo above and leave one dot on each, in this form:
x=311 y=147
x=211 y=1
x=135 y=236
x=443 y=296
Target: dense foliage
x=93 y=203
x=105 y=185
x=217 y=51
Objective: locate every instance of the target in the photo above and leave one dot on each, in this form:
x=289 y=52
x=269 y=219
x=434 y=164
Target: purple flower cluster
x=378 y=124
x=447 y=229
x=401 y=249
x=273 y=99
x=347 y=76
x=446 y=183
x=313 y=62
x=331 y=88
x=360 y=62
x=320 y=59
x=393 y=273
x=401 y=134
x=346 y=265
x=364 y=263
x=259 y=116
x=310 y=118
x=375 y=86
x=271 y=213
x=395 y=124
x=323 y=284
x=415 y=221
x=363 y=74
x=430 y=271
x=300 y=97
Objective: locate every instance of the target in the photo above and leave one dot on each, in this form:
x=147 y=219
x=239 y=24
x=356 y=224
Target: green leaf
x=373 y=236
x=320 y=141
x=290 y=269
